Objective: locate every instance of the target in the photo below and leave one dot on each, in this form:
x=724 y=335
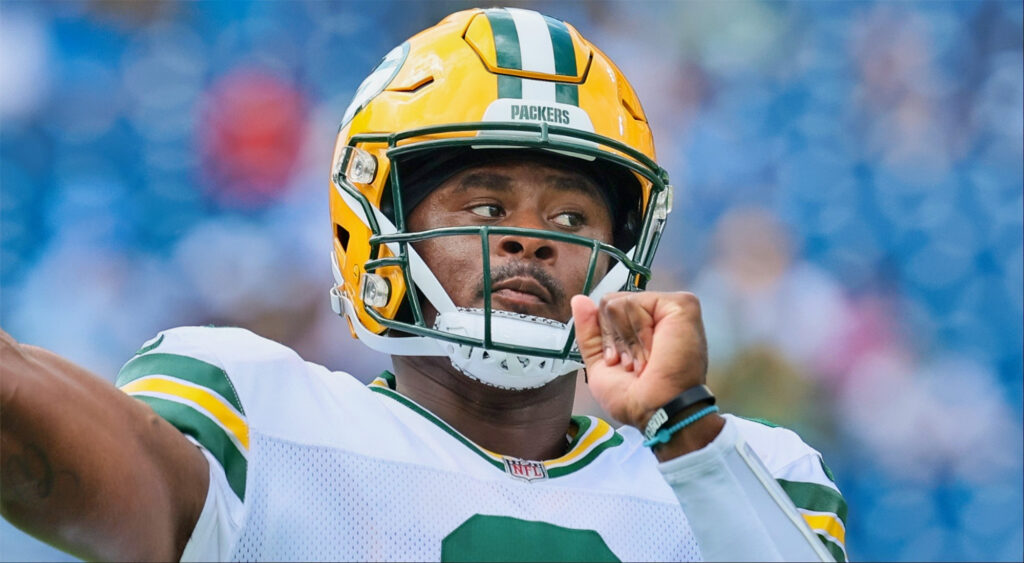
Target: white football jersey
x=310 y=464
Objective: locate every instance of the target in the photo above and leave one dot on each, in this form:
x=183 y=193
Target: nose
x=526 y=247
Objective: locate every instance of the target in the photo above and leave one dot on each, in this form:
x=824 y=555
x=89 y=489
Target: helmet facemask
x=501 y=348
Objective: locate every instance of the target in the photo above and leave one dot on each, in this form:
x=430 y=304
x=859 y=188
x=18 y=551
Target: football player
x=496 y=206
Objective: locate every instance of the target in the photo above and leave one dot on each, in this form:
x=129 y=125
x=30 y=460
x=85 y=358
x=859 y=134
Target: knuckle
x=688 y=302
x=613 y=297
x=619 y=306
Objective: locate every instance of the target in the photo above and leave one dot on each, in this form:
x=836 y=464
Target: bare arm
x=87 y=468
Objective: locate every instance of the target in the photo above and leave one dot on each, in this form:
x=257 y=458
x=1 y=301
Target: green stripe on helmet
x=508 y=53
x=506 y=39
x=181 y=367
x=561 y=43
x=510 y=86
x=567 y=94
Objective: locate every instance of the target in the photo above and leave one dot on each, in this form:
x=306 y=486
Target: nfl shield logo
x=525 y=469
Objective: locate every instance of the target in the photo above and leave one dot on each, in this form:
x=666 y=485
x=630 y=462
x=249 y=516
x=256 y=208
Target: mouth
x=521 y=290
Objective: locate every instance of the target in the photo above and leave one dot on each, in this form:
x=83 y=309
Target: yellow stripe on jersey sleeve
x=827 y=523
x=226 y=416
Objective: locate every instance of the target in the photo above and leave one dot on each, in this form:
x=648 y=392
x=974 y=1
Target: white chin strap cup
x=505 y=369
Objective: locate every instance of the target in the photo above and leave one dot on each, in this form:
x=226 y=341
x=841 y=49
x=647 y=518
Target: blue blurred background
x=849 y=210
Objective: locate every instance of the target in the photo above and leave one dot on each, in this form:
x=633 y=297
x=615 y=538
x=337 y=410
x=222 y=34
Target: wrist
x=692 y=437
x=682 y=405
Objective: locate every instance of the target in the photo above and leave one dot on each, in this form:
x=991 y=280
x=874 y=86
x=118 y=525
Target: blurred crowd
x=850 y=189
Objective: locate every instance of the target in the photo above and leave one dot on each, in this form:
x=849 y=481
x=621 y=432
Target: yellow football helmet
x=502 y=78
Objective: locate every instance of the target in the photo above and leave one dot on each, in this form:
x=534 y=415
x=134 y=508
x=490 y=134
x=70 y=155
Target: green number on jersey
x=501 y=538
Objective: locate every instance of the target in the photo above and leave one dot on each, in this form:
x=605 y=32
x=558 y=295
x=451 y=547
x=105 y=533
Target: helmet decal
x=379 y=78
x=504 y=109
x=527 y=41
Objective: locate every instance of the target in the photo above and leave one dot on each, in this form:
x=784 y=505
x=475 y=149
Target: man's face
x=530 y=275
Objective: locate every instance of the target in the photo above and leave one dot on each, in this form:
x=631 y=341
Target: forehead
x=525 y=176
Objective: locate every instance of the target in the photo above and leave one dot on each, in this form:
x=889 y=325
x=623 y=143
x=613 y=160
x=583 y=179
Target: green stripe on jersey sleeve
x=819 y=498
x=181 y=367
x=190 y=421
x=828 y=472
x=150 y=346
x=837 y=552
x=812 y=496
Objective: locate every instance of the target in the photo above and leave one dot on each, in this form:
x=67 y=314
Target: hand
x=641 y=349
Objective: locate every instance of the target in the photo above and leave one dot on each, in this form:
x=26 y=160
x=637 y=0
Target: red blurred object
x=250 y=133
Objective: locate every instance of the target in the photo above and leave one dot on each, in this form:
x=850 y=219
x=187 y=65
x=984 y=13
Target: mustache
x=516 y=269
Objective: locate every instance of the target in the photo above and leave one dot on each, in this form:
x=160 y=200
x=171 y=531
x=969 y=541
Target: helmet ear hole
x=342 y=234
x=404 y=315
x=387 y=206
x=626 y=230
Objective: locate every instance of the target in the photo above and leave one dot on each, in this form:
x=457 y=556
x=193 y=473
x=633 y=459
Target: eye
x=569 y=219
x=488 y=210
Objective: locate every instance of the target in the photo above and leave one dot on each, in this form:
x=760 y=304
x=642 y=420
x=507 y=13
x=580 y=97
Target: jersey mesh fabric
x=339 y=471
x=320 y=503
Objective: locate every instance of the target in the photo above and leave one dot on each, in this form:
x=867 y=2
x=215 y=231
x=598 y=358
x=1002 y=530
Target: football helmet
x=480 y=80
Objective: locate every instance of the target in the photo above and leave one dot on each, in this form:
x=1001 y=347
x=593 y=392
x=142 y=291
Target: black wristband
x=682 y=401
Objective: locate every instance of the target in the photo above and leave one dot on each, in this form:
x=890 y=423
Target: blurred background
x=849 y=210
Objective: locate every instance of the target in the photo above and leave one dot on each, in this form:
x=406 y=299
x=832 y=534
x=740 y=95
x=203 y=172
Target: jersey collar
x=592 y=436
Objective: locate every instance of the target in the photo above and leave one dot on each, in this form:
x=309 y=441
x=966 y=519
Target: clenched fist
x=641 y=349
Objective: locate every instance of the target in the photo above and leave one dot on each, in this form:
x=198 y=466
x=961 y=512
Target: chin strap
x=500 y=369
x=394 y=345
x=507 y=369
